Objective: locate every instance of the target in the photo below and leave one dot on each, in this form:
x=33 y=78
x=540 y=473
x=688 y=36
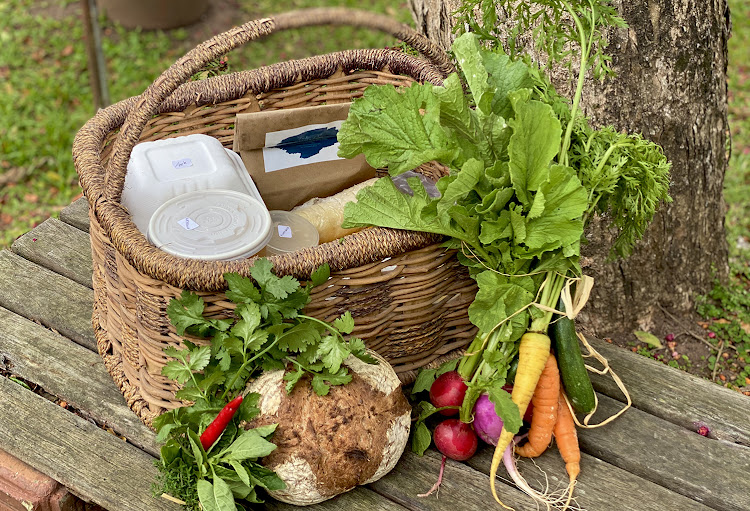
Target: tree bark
x=671 y=86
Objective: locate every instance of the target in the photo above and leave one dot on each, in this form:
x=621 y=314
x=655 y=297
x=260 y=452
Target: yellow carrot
x=533 y=352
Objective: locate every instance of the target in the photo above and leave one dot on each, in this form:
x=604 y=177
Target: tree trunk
x=671 y=86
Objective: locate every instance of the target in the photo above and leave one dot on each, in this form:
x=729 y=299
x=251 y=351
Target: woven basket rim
x=367 y=246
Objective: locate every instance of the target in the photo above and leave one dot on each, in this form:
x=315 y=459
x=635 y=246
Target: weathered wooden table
x=651 y=458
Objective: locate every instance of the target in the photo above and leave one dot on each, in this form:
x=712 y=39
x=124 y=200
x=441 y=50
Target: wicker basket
x=409 y=296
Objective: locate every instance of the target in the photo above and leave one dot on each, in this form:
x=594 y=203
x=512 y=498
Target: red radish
x=529 y=410
x=448 y=389
x=456 y=439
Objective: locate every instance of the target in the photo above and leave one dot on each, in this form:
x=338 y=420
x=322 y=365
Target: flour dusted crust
x=327 y=445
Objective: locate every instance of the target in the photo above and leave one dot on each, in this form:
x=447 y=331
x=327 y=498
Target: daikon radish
x=327 y=213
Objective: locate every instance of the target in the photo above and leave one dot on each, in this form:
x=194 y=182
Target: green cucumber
x=573 y=372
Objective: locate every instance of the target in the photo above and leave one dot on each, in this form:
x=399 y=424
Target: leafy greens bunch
x=267 y=332
x=527 y=174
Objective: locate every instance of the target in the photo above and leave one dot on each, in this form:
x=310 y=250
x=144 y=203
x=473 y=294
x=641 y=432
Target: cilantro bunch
x=527 y=174
x=267 y=332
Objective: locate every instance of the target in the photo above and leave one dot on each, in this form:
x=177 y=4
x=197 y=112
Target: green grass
x=45 y=96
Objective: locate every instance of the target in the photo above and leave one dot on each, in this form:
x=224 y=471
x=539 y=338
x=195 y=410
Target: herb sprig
x=266 y=332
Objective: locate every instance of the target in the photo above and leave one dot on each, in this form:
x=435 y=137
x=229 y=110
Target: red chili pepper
x=219 y=424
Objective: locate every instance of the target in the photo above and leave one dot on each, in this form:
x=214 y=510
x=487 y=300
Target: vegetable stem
x=585 y=54
x=553 y=285
x=234 y=379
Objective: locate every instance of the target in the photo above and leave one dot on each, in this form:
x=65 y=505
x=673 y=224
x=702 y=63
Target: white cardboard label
x=183 y=163
x=188 y=224
x=285 y=231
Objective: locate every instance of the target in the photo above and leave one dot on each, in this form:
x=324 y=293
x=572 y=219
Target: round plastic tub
x=211 y=225
x=289 y=233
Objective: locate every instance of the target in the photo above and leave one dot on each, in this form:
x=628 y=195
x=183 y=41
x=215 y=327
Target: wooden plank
x=71 y=373
x=599 y=486
x=95 y=465
x=462 y=487
x=675 y=395
x=359 y=499
x=709 y=471
x=77 y=214
x=45 y=296
x=59 y=247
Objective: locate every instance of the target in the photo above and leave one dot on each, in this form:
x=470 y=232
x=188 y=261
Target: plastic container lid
x=211 y=225
x=290 y=232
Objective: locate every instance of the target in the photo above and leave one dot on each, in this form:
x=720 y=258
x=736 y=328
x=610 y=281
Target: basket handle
x=181 y=71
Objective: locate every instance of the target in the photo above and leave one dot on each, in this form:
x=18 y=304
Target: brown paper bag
x=291 y=154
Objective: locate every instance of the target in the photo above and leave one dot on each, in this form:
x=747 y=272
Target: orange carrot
x=544 y=418
x=567 y=442
x=533 y=351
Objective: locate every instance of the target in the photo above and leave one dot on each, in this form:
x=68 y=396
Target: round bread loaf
x=327 y=445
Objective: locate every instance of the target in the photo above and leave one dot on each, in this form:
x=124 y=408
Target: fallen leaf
x=648 y=338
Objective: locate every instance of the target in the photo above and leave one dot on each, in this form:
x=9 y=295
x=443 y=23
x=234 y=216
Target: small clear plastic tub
x=211 y=225
x=290 y=232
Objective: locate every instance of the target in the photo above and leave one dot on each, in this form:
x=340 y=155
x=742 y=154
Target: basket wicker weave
x=409 y=296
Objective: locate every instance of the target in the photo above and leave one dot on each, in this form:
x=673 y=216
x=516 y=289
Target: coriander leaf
x=344 y=323
x=176 y=370
x=217 y=496
x=211 y=379
x=248 y=445
x=505 y=408
x=249 y=407
x=189 y=394
x=319 y=385
x=292 y=377
x=402 y=136
x=250 y=319
x=320 y=275
x=533 y=145
x=333 y=352
x=281 y=287
x=186 y=311
x=241 y=289
x=299 y=337
x=322 y=380
x=359 y=350
x=255 y=341
x=199 y=358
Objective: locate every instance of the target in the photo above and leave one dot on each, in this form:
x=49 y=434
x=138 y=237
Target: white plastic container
x=163 y=169
x=211 y=225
